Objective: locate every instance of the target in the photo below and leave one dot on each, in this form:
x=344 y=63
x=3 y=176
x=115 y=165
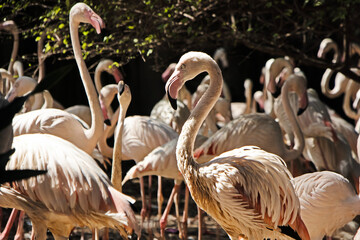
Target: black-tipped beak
x=121 y=87
x=172 y=101
x=300 y=111
x=277 y=92
x=107 y=122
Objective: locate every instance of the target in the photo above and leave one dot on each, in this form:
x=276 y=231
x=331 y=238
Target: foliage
x=160 y=29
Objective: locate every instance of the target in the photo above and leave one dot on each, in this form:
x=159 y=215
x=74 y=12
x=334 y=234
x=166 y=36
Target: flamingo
x=328 y=201
x=41 y=62
x=59 y=122
x=73 y=192
x=235 y=188
x=162 y=162
x=341 y=81
x=258 y=129
x=11 y=27
x=239 y=108
x=140 y=135
x=174 y=118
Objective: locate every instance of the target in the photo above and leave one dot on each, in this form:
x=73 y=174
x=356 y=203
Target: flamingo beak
x=303 y=103
x=97 y=22
x=172 y=87
x=121 y=87
x=172 y=100
x=11 y=95
x=117 y=75
x=104 y=112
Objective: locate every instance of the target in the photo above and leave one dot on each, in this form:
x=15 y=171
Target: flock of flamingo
x=293 y=165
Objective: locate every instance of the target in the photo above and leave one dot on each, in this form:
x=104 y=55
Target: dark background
x=145 y=82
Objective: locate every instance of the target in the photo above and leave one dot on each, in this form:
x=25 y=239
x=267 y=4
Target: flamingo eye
x=183 y=66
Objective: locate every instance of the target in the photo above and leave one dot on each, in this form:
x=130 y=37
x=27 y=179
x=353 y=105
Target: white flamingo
x=11 y=27
x=162 y=162
x=73 y=192
x=246 y=190
x=328 y=201
x=140 y=135
x=260 y=130
x=61 y=123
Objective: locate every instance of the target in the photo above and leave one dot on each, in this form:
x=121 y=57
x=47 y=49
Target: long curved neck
x=351 y=88
x=14 y=50
x=299 y=137
x=333 y=46
x=97 y=79
x=339 y=86
x=97 y=119
x=41 y=57
x=248 y=97
x=185 y=146
x=104 y=148
x=116 y=171
x=48 y=99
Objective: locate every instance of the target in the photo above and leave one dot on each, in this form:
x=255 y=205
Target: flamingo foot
x=163 y=221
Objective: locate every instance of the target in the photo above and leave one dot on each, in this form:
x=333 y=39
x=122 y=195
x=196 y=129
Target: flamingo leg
x=200 y=220
x=163 y=219
x=105 y=235
x=38 y=231
x=1 y=215
x=20 y=229
x=143 y=208
x=95 y=234
x=5 y=234
x=176 y=201
x=185 y=214
x=148 y=207
x=160 y=197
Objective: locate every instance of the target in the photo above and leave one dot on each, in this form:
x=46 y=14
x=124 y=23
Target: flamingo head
x=109 y=66
x=189 y=66
x=8 y=26
x=21 y=86
x=124 y=94
x=81 y=12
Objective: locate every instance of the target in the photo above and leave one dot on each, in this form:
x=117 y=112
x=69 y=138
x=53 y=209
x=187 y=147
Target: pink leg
x=185 y=214
x=163 y=219
x=1 y=216
x=176 y=201
x=143 y=207
x=148 y=208
x=5 y=234
x=20 y=229
x=200 y=220
x=105 y=235
x=160 y=197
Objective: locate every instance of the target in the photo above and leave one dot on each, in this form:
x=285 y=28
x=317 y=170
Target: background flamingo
x=61 y=123
x=328 y=201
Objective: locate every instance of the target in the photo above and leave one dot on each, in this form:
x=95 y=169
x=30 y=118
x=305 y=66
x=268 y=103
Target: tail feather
x=122 y=204
x=299 y=226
